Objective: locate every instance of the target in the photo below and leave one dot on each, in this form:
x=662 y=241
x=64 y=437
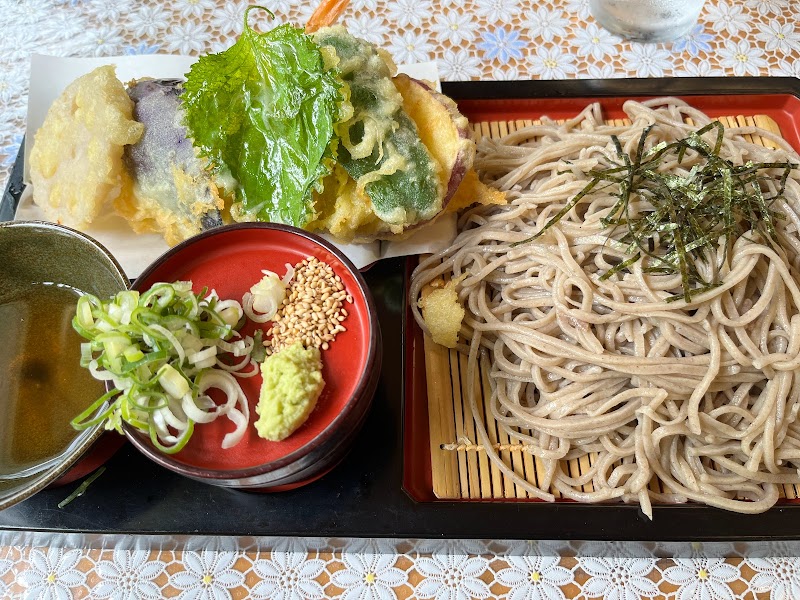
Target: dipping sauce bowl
x=43 y=270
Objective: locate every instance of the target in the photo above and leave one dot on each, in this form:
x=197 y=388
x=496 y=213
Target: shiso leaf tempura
x=264 y=110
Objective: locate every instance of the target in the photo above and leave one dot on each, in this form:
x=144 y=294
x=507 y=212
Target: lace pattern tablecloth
x=474 y=39
x=222 y=568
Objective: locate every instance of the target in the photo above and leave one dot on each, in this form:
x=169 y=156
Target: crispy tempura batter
x=178 y=216
x=76 y=160
x=344 y=211
x=442 y=311
x=173 y=192
x=473 y=191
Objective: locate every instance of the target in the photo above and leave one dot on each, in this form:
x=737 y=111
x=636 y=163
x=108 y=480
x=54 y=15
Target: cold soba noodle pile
x=656 y=331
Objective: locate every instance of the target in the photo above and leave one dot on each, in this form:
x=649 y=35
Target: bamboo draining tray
x=460 y=468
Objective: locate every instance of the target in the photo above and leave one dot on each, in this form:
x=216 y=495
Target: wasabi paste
x=292 y=384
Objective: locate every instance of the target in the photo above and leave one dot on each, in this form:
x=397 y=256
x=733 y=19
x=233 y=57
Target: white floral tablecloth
x=75 y=566
x=470 y=39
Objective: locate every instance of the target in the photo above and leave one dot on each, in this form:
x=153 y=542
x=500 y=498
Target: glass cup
x=647 y=20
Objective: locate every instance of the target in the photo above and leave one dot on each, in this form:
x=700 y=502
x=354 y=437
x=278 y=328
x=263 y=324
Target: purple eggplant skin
x=165 y=149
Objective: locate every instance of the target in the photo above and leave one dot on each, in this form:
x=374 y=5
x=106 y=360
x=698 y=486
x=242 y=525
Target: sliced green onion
x=154 y=347
x=81 y=489
x=178 y=445
x=83 y=312
x=133 y=353
x=80 y=421
x=173 y=382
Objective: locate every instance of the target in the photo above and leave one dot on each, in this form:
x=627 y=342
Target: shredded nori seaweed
x=688 y=215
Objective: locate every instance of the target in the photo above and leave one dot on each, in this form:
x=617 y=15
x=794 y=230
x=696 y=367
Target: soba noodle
x=702 y=395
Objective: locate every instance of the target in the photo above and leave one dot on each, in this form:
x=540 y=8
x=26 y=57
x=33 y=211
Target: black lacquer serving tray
x=367 y=495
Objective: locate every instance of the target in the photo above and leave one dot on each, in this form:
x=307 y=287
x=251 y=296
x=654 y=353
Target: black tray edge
x=604 y=88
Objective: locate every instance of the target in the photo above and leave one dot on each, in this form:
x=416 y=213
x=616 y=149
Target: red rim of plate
x=365 y=381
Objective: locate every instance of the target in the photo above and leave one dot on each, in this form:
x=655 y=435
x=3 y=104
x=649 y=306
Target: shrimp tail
x=327 y=13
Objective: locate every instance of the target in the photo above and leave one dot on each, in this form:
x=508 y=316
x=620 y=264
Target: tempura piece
x=442 y=312
x=76 y=160
x=442 y=128
x=173 y=192
x=473 y=191
x=406 y=149
x=379 y=145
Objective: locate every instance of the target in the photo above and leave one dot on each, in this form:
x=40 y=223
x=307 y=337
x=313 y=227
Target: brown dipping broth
x=42 y=386
x=43 y=270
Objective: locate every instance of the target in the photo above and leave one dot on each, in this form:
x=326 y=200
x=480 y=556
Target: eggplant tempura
x=172 y=190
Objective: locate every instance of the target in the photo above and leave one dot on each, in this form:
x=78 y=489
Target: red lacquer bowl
x=230 y=260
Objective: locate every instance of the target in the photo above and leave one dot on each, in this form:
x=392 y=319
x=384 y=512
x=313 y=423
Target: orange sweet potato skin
x=442 y=128
x=447 y=135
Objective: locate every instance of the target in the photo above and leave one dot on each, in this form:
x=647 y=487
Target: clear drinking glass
x=647 y=20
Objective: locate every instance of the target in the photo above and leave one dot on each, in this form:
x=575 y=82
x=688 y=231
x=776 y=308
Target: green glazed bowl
x=32 y=253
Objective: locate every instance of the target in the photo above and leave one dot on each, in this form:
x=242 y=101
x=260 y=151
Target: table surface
x=471 y=40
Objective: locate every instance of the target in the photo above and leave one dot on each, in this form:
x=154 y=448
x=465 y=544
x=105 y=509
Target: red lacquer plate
x=230 y=260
